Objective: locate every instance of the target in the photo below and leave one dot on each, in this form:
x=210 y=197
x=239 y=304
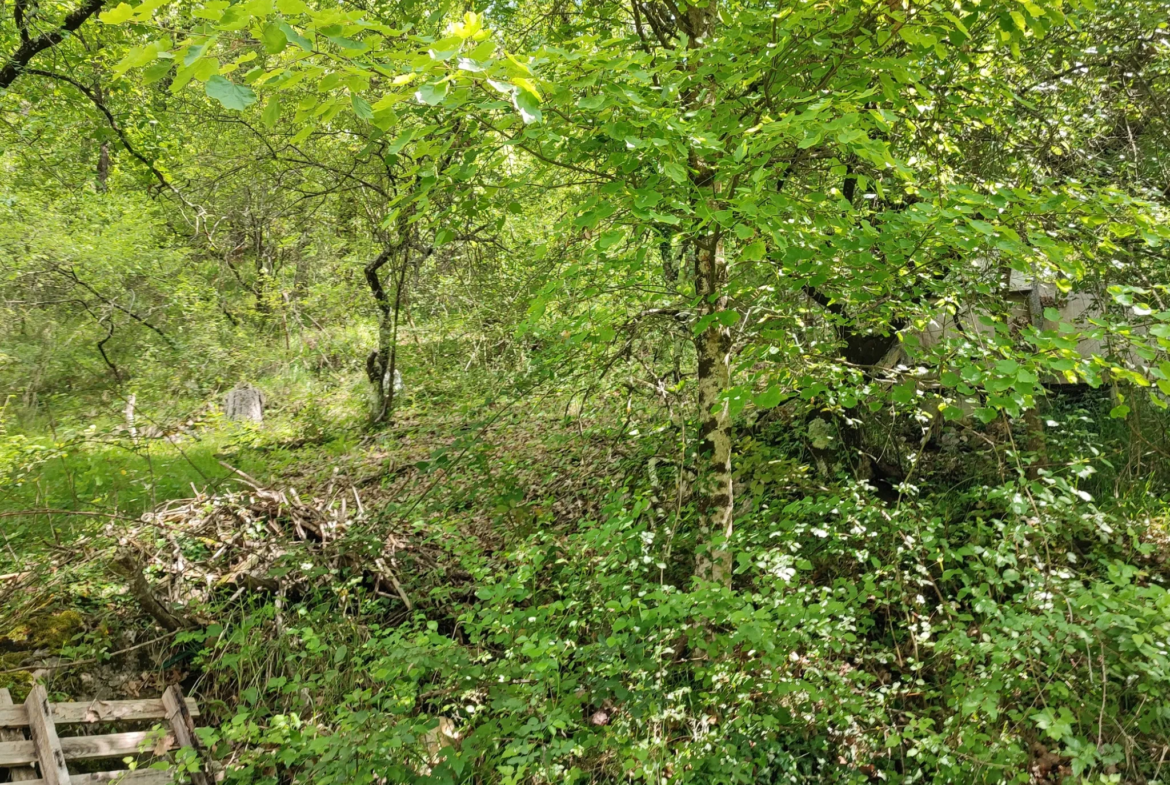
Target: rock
x=398 y=385
x=244 y=403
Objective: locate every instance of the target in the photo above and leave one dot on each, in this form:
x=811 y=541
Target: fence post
x=44 y=736
x=183 y=728
x=16 y=773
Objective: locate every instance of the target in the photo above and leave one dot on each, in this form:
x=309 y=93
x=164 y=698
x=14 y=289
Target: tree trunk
x=103 y=168
x=382 y=364
x=1037 y=444
x=713 y=345
x=713 y=350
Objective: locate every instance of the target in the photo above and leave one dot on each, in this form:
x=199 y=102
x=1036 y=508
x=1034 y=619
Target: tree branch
x=97 y=101
x=31 y=47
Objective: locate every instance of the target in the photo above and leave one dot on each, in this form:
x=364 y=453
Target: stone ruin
x=244 y=403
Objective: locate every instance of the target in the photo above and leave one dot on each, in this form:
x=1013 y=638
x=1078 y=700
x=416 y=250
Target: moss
x=18 y=684
x=50 y=631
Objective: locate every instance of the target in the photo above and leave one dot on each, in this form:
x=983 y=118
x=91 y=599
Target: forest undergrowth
x=502 y=593
x=600 y=392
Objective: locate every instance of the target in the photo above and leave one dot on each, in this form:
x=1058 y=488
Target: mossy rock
x=50 y=631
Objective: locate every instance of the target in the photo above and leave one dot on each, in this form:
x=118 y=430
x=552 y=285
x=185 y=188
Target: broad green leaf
x=904 y=393
x=292 y=7
x=445 y=49
x=362 y=108
x=483 y=52
x=675 y=172
x=156 y=72
x=236 y=17
x=136 y=58
x=118 y=15
x=195 y=51
x=231 y=95
x=610 y=239
x=727 y=318
x=754 y=252
x=346 y=43
x=400 y=142
x=271 y=114
x=304 y=133
x=528 y=106
x=293 y=36
x=592 y=102
x=182 y=78
x=145 y=10
x=207 y=68
x=769 y=398
x=431 y=94
x=527 y=85
x=212 y=11
x=274 y=38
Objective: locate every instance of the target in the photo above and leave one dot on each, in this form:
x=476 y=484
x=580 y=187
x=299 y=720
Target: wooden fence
x=43 y=757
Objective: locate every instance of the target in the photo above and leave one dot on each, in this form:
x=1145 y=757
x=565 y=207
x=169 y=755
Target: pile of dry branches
x=188 y=549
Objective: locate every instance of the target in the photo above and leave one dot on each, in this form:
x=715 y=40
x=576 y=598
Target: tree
x=753 y=133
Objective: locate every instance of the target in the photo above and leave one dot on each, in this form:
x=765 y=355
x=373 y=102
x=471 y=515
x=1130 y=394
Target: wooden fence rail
x=43 y=757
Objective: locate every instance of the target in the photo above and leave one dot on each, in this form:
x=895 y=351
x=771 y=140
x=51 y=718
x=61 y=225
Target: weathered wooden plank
x=17 y=753
x=183 y=727
x=85 y=712
x=109 y=745
x=44 y=738
x=16 y=773
x=136 y=777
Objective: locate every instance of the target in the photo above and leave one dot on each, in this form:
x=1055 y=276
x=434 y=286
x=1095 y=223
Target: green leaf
x=675 y=172
x=610 y=239
x=231 y=95
x=810 y=139
x=292 y=7
x=402 y=141
x=1119 y=412
x=273 y=38
x=951 y=413
x=117 y=15
x=196 y=51
x=445 y=49
x=136 y=58
x=236 y=17
x=347 y=43
x=484 y=51
x=769 y=398
x=904 y=393
x=727 y=318
x=206 y=68
x=304 y=133
x=154 y=73
x=754 y=252
x=528 y=106
x=362 y=108
x=294 y=37
x=431 y=94
x=271 y=113
x=592 y=102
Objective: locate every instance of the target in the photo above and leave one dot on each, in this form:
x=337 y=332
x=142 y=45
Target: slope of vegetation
x=653 y=392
